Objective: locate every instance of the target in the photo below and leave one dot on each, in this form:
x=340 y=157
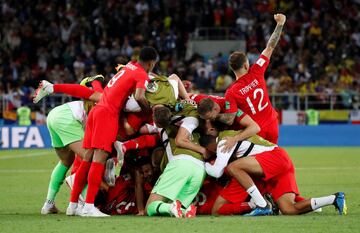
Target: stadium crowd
x=63 y=41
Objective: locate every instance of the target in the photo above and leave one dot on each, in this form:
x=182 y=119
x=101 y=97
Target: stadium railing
x=285 y=101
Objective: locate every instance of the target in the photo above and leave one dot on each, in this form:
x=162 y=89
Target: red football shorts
x=101 y=129
x=285 y=183
x=274 y=163
x=270 y=132
x=279 y=172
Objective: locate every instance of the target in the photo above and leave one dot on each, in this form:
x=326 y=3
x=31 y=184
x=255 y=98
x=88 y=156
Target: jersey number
x=261 y=106
x=115 y=78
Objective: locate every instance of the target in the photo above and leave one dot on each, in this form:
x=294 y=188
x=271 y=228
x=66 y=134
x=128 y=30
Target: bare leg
x=217 y=205
x=77 y=148
x=241 y=170
x=288 y=206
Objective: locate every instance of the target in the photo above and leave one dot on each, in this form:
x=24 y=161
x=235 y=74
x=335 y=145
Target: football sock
x=94 y=180
x=142 y=142
x=56 y=180
x=158 y=208
x=84 y=191
x=319 y=202
x=236 y=208
x=80 y=180
x=259 y=200
x=75 y=90
x=96 y=84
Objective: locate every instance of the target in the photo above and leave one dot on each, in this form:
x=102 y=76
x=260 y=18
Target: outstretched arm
x=275 y=36
x=250 y=129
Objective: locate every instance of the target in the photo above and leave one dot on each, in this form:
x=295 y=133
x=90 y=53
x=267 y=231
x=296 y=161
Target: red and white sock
x=75 y=90
x=142 y=142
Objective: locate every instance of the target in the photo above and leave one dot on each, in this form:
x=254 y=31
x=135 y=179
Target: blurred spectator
x=65 y=41
x=24 y=116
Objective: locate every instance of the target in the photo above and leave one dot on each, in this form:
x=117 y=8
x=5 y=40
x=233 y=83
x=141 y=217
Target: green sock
x=158 y=208
x=56 y=180
x=83 y=193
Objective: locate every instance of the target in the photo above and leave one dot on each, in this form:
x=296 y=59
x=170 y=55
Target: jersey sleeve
x=239 y=115
x=141 y=80
x=260 y=66
x=190 y=124
x=230 y=103
x=217 y=169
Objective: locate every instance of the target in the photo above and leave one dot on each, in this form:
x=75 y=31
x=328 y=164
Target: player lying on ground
x=122 y=197
x=259 y=158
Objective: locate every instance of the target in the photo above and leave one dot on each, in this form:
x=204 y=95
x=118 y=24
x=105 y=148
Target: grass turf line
x=321 y=171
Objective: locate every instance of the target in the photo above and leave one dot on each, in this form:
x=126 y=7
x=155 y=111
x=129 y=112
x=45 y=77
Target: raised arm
x=275 y=36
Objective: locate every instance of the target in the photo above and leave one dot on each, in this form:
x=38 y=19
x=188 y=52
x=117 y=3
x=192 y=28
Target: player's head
x=161 y=116
x=156 y=158
x=147 y=171
x=209 y=142
x=210 y=128
x=238 y=60
x=208 y=109
x=148 y=57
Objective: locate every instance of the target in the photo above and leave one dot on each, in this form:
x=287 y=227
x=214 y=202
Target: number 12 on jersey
x=261 y=106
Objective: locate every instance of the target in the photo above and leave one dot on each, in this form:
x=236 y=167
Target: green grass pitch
x=24 y=176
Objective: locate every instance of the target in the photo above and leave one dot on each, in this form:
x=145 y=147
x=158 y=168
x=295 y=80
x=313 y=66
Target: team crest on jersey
x=227 y=105
x=260 y=61
x=239 y=113
x=152 y=87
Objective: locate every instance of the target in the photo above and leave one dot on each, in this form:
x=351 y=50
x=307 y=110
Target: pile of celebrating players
x=142 y=144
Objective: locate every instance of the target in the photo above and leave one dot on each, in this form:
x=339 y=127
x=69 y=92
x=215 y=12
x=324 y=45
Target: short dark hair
x=237 y=60
x=205 y=105
x=205 y=140
x=148 y=54
x=162 y=117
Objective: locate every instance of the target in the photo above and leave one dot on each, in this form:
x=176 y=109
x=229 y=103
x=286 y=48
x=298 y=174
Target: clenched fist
x=280 y=19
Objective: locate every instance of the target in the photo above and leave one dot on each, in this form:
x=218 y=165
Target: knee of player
x=232 y=168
